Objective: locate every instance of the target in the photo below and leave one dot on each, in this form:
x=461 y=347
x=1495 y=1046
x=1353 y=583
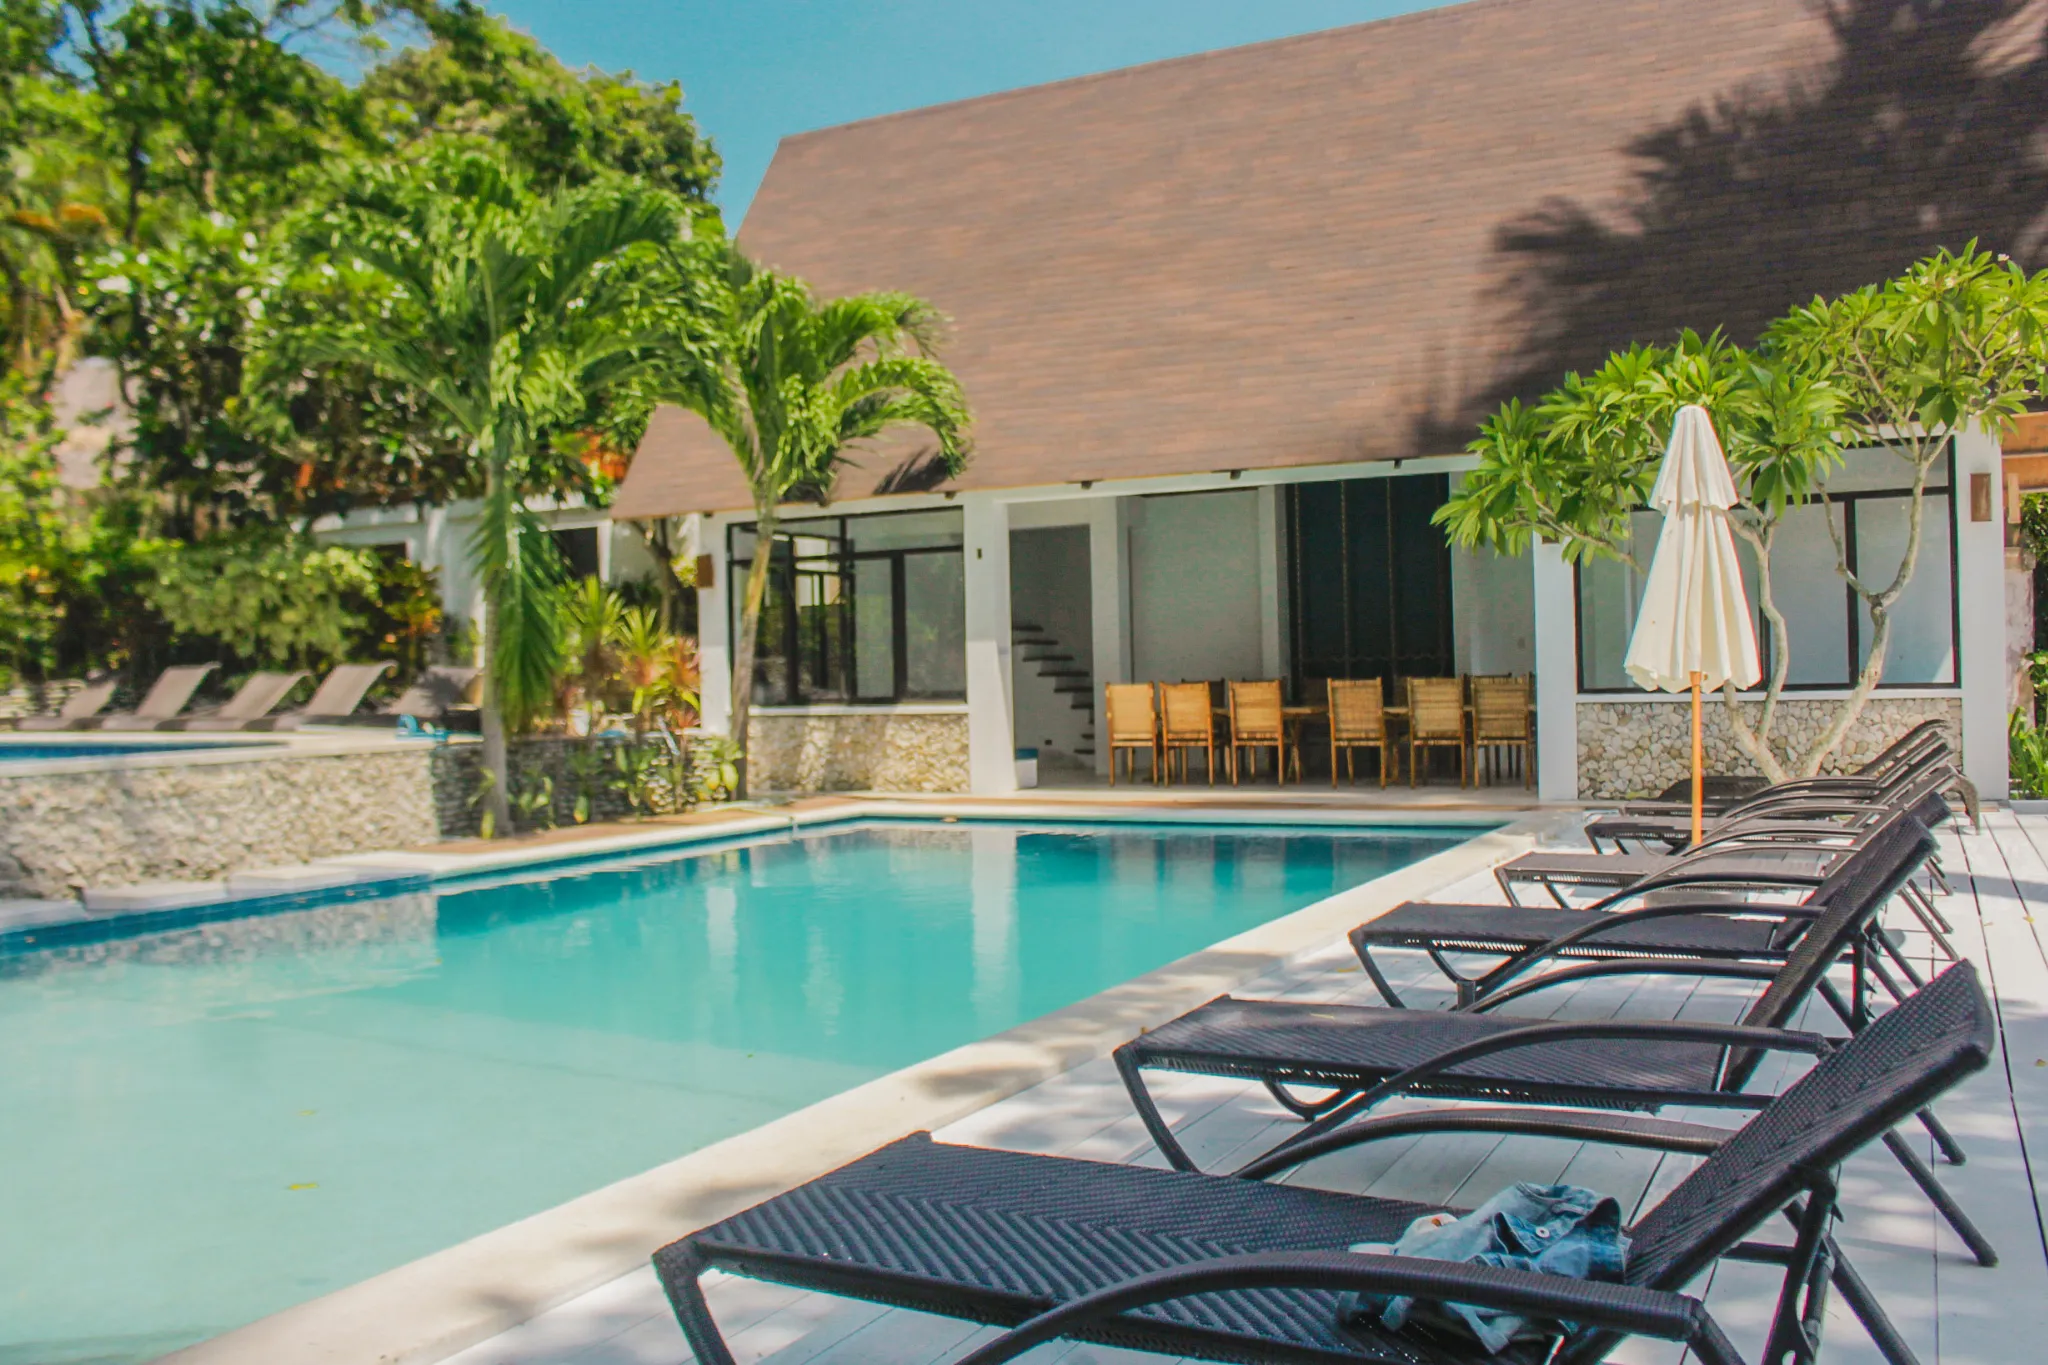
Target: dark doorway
x=1370 y=579
x=578 y=548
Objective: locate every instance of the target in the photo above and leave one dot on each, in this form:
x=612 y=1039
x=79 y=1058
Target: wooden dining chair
x=1436 y=720
x=1500 y=724
x=1187 y=721
x=1257 y=722
x=1133 y=725
x=1358 y=720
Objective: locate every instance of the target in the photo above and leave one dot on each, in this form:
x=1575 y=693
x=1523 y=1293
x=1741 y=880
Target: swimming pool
x=14 y=750
x=206 y=1125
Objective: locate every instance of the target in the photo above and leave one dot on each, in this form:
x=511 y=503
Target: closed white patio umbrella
x=1694 y=631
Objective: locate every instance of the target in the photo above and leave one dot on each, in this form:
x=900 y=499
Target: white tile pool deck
x=1951 y=1310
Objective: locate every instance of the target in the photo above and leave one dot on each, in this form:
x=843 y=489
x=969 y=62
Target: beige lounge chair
x=252 y=702
x=80 y=710
x=439 y=696
x=336 y=699
x=167 y=697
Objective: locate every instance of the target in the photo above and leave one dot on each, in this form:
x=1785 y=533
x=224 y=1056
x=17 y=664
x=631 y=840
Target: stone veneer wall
x=457 y=780
x=907 y=751
x=60 y=832
x=1636 y=748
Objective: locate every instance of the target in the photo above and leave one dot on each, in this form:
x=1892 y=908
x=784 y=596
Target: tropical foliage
x=514 y=312
x=794 y=385
x=70 y=565
x=268 y=596
x=164 y=165
x=1957 y=342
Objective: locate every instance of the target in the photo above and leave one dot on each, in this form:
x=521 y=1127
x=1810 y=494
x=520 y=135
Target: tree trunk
x=750 y=625
x=1880 y=606
x=1757 y=742
x=498 y=798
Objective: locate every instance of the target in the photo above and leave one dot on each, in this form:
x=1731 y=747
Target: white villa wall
x=1493 y=608
x=438 y=539
x=1196 y=587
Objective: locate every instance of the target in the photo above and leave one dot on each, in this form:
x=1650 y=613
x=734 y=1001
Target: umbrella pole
x=1699 y=780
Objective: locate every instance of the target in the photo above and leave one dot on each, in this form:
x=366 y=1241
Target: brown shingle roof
x=1350 y=245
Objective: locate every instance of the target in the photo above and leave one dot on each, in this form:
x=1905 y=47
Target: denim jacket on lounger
x=1549 y=1229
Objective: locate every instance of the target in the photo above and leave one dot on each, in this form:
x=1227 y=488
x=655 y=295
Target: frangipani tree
x=792 y=385
x=514 y=312
x=1955 y=343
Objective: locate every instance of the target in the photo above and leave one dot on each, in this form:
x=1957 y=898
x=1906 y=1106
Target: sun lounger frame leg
x=1944 y=1202
x=1802 y=1303
x=681 y=1271
x=1378 y=977
x=1305 y=1109
x=1849 y=1282
x=1148 y=1112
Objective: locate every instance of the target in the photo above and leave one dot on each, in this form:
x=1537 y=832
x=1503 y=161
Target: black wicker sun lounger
x=1242 y=1270
x=1782 y=845
x=1723 y=793
x=1366 y=1055
x=1818 y=800
x=1685 y=911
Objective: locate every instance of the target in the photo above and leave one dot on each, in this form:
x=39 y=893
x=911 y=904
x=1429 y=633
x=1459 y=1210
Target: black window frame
x=783 y=572
x=1848 y=501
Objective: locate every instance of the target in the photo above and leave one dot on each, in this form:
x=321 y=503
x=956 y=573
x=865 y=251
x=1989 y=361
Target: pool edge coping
x=430 y=1308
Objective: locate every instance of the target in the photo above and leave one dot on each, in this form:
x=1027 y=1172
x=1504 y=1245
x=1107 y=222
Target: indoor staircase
x=1069 y=678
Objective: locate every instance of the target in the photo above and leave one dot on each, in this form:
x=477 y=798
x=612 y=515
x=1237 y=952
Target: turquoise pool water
x=28 y=750
x=203 y=1126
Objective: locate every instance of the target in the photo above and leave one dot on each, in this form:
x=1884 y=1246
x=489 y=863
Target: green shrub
x=2029 y=758
x=267 y=596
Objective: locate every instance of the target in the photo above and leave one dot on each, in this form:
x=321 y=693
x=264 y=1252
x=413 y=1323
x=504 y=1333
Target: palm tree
x=791 y=385
x=512 y=312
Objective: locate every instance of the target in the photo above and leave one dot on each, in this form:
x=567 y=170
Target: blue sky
x=755 y=70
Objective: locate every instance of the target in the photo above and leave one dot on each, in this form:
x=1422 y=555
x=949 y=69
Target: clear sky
x=756 y=70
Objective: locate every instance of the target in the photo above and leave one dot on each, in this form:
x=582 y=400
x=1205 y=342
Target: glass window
x=907 y=531
x=1610 y=592
x=874 y=627
x=869 y=609
x=1825 y=620
x=1923 y=646
x=934 y=626
x=1812 y=597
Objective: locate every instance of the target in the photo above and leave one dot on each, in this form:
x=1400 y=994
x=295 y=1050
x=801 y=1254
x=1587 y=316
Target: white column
x=1272 y=585
x=991 y=738
x=1109 y=608
x=714 y=633
x=1557 y=676
x=1980 y=562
